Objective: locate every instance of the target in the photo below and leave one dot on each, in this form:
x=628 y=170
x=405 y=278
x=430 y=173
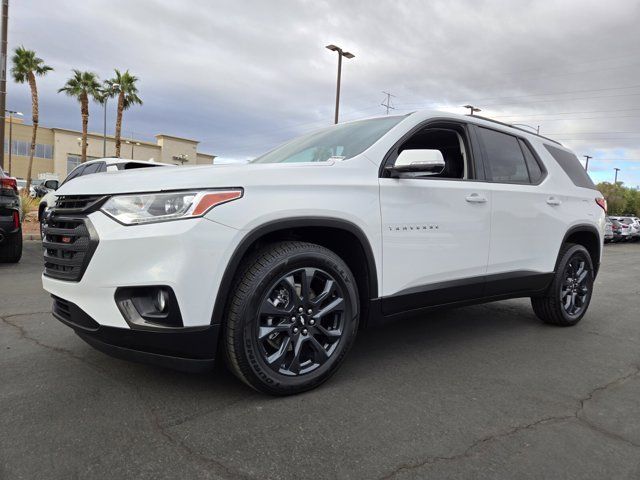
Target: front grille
x=69 y=238
x=77 y=203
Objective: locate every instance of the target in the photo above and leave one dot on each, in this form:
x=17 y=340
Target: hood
x=183 y=178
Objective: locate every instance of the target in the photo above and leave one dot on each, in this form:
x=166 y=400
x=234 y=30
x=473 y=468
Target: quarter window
x=506 y=163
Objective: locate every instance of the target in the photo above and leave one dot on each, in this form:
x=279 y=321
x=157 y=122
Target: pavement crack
x=575 y=415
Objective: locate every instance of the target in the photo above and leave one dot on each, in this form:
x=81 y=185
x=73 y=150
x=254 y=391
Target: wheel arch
x=341 y=236
x=587 y=236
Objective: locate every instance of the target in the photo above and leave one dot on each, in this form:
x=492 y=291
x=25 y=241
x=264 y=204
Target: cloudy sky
x=243 y=76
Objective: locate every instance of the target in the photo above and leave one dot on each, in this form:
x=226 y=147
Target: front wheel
x=292 y=317
x=567 y=298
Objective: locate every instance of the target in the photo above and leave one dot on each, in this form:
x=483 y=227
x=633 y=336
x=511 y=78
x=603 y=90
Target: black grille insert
x=69 y=238
x=78 y=203
x=72 y=315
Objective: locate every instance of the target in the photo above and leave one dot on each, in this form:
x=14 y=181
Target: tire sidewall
x=250 y=348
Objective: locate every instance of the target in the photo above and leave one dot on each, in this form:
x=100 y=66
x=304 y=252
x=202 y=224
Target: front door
x=435 y=229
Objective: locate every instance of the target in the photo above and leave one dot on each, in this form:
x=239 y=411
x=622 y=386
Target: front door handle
x=553 y=201
x=476 y=198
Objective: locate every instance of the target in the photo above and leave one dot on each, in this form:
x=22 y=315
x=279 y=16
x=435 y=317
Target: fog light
x=161 y=300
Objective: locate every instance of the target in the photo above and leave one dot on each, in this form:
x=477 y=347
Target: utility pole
x=3 y=74
x=387 y=102
x=615 y=182
x=586 y=165
x=341 y=53
x=472 y=109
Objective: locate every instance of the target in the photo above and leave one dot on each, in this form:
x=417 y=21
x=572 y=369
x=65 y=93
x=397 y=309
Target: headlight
x=161 y=207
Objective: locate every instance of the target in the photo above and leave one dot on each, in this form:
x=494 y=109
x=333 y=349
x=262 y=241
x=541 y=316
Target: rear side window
x=535 y=172
x=571 y=166
x=505 y=157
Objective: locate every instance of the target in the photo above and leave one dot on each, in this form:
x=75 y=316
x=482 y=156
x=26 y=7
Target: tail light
x=16 y=220
x=9 y=183
x=602 y=203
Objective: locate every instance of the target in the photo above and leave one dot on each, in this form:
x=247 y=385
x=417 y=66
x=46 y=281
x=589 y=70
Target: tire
x=567 y=299
x=272 y=342
x=11 y=248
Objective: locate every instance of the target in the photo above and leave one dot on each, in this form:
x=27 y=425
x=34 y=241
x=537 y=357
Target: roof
x=163 y=135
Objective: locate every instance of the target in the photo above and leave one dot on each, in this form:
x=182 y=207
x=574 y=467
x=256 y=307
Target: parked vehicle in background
x=92 y=166
x=10 y=220
x=633 y=227
x=621 y=232
x=608 y=231
x=22 y=184
x=616 y=227
x=281 y=261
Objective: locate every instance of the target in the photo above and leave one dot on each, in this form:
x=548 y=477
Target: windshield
x=343 y=141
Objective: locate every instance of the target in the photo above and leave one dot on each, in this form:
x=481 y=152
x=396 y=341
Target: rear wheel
x=292 y=318
x=567 y=298
x=11 y=248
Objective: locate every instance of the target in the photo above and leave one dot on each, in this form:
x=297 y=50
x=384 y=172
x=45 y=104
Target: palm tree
x=83 y=85
x=124 y=86
x=26 y=65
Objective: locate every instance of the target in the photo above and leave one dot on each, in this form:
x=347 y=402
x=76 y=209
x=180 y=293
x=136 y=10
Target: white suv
x=278 y=263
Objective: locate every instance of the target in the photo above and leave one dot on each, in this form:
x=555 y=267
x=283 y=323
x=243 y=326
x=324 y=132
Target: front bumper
x=189 y=256
x=186 y=349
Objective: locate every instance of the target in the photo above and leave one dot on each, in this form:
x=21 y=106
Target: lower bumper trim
x=186 y=349
x=149 y=358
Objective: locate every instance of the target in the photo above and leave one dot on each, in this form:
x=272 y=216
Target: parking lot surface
x=478 y=392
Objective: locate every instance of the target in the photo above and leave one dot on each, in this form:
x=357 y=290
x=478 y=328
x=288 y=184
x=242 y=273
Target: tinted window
x=92 y=168
x=571 y=166
x=506 y=162
x=535 y=172
x=74 y=173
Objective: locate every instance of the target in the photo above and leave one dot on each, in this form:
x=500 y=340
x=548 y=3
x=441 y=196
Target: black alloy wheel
x=291 y=318
x=300 y=322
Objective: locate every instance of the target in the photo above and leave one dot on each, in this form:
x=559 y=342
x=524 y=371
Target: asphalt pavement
x=479 y=392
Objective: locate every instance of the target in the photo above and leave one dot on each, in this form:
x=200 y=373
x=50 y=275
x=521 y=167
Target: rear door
x=527 y=220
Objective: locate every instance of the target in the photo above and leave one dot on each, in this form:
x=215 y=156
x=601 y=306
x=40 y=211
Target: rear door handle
x=476 y=198
x=553 y=201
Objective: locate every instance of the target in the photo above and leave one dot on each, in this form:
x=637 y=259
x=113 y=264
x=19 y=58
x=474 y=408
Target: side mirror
x=51 y=184
x=424 y=162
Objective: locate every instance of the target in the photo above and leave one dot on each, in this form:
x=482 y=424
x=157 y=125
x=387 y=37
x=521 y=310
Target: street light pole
x=472 y=109
x=615 y=182
x=3 y=73
x=586 y=165
x=341 y=53
x=11 y=113
x=104 y=128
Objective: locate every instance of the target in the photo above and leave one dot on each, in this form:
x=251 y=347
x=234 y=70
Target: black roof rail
x=514 y=127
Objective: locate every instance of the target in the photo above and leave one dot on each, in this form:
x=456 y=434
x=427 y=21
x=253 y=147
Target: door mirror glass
x=51 y=184
x=422 y=161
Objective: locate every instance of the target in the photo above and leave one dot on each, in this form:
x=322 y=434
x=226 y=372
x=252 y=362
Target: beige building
x=58 y=150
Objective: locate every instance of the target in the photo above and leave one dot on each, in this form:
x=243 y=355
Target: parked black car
x=10 y=220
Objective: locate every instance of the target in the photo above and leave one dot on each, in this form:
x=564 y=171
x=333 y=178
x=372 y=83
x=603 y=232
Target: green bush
x=620 y=199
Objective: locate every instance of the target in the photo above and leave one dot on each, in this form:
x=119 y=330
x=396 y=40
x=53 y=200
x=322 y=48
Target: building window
x=22 y=147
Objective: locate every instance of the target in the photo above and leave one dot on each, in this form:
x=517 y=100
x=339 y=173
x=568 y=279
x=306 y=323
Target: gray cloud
x=243 y=76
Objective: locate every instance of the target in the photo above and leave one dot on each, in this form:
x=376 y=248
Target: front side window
x=343 y=141
x=506 y=163
x=450 y=141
